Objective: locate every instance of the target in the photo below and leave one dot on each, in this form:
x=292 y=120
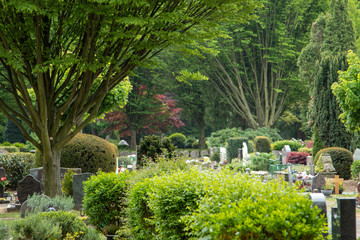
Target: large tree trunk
x=52 y=183
x=202 y=143
x=133 y=138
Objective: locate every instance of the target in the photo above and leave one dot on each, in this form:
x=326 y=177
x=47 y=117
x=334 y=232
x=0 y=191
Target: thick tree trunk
x=52 y=183
x=133 y=139
x=202 y=143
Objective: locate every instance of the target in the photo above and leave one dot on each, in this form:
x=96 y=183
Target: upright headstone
x=285 y=152
x=186 y=153
x=289 y=174
x=343 y=219
x=245 y=151
x=318 y=182
x=27 y=187
x=194 y=154
x=309 y=160
x=356 y=155
x=204 y=153
x=319 y=200
x=2 y=173
x=78 y=188
x=327 y=162
x=222 y=153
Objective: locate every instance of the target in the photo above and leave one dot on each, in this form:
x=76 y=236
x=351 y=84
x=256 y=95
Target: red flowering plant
x=4 y=182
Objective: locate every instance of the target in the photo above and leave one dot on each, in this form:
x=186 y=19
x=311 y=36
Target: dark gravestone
x=37 y=173
x=2 y=173
x=27 y=187
x=343 y=219
x=318 y=182
x=78 y=188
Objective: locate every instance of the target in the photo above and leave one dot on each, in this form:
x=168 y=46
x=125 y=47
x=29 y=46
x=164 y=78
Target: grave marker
x=285 y=151
x=318 y=182
x=337 y=182
x=343 y=219
x=78 y=188
x=356 y=155
x=194 y=154
x=27 y=187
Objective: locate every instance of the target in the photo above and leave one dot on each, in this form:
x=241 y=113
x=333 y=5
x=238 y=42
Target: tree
x=333 y=35
x=72 y=53
x=256 y=68
x=12 y=133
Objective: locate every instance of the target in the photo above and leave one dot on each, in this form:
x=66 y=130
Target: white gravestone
x=285 y=152
x=222 y=153
x=245 y=153
x=356 y=155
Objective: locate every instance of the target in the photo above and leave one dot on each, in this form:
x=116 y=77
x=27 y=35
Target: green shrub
x=215 y=157
x=105 y=199
x=261 y=162
x=17 y=166
x=168 y=198
x=195 y=145
x=10 y=149
x=67 y=183
x=151 y=148
x=355 y=169
x=6 y=144
x=90 y=153
x=189 y=142
x=241 y=207
x=294 y=146
x=124 y=161
x=262 y=144
x=342 y=160
x=251 y=146
x=4 y=230
x=305 y=149
x=40 y=203
x=233 y=145
x=178 y=140
x=19 y=145
x=35 y=227
x=219 y=138
x=237 y=166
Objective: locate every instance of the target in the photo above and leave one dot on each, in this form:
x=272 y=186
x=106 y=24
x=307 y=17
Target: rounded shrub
x=261 y=162
x=17 y=166
x=178 y=140
x=279 y=145
x=215 y=157
x=342 y=160
x=355 y=169
x=233 y=145
x=262 y=144
x=7 y=144
x=11 y=149
x=90 y=153
x=189 y=142
x=105 y=199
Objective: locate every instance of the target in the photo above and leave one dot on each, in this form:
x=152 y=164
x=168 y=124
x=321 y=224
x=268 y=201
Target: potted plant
x=341 y=188
x=327 y=189
x=3 y=183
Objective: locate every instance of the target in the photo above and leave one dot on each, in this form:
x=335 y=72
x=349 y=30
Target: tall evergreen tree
x=333 y=42
x=12 y=133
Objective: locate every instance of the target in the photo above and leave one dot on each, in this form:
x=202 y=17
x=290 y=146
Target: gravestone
x=356 y=155
x=78 y=188
x=309 y=160
x=343 y=219
x=204 y=153
x=2 y=173
x=285 y=152
x=245 y=153
x=319 y=200
x=318 y=182
x=186 y=153
x=327 y=163
x=37 y=173
x=27 y=187
x=222 y=154
x=194 y=154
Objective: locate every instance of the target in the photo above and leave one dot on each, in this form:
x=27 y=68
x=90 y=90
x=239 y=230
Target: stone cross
x=337 y=181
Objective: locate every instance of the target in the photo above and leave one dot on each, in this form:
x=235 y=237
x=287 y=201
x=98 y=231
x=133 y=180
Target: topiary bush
x=105 y=199
x=342 y=160
x=17 y=166
x=7 y=144
x=233 y=145
x=90 y=153
x=261 y=162
x=297 y=157
x=10 y=149
x=178 y=140
x=279 y=145
x=355 y=169
x=151 y=148
x=262 y=144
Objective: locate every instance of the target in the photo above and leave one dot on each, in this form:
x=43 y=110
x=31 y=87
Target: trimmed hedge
x=342 y=160
x=90 y=153
x=233 y=145
x=17 y=166
x=279 y=145
x=262 y=144
x=10 y=149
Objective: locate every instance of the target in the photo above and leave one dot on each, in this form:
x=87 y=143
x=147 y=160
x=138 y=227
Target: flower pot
x=326 y=192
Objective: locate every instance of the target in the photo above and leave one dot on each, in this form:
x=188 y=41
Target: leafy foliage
x=279 y=145
x=67 y=183
x=17 y=166
x=11 y=149
x=355 y=169
x=261 y=162
x=178 y=140
x=233 y=145
x=262 y=144
x=297 y=157
x=12 y=133
x=104 y=199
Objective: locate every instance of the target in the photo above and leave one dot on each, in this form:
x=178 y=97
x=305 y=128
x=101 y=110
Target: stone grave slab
x=194 y=154
x=204 y=153
x=318 y=182
x=27 y=187
x=356 y=155
x=78 y=188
